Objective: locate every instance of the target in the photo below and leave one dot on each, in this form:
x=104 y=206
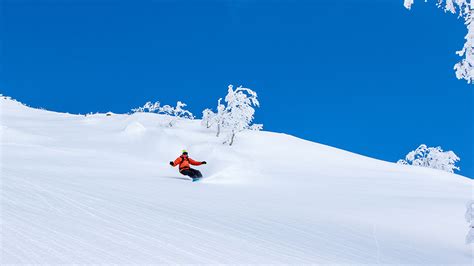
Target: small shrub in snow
x=432 y=157
x=175 y=113
x=148 y=108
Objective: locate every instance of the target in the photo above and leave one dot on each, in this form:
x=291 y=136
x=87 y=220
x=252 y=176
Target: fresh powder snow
x=99 y=189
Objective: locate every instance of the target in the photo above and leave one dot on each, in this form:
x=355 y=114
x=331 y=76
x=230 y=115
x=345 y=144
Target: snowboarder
x=184 y=161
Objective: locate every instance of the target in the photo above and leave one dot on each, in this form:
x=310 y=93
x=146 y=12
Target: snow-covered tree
x=148 y=107
x=235 y=115
x=208 y=118
x=220 y=115
x=176 y=113
x=239 y=111
x=432 y=157
x=465 y=9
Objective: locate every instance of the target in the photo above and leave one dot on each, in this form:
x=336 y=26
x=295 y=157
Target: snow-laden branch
x=465 y=68
x=465 y=9
x=448 y=5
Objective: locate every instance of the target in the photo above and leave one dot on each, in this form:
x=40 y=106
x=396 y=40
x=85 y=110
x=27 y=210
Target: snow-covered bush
x=432 y=157
x=176 y=113
x=465 y=9
x=148 y=107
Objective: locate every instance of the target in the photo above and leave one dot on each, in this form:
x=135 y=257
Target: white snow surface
x=99 y=189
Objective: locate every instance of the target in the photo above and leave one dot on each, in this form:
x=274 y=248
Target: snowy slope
x=99 y=189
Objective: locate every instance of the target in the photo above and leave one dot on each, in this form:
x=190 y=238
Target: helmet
x=184 y=152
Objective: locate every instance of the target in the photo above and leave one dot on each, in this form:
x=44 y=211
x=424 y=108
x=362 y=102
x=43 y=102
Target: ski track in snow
x=98 y=189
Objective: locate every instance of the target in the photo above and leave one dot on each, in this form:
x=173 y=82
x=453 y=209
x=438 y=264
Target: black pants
x=193 y=173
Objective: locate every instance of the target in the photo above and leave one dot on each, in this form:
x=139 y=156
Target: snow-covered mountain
x=99 y=189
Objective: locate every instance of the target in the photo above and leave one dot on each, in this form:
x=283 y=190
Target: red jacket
x=184 y=161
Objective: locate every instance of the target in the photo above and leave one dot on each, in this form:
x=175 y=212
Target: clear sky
x=365 y=76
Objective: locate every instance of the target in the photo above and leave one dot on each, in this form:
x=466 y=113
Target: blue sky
x=365 y=76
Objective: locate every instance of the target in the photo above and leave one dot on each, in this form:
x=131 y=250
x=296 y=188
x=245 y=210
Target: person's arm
x=193 y=162
x=176 y=162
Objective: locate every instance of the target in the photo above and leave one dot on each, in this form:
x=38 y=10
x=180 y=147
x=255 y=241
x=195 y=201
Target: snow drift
x=98 y=189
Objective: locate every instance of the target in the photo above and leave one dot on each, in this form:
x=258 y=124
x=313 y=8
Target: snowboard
x=197 y=179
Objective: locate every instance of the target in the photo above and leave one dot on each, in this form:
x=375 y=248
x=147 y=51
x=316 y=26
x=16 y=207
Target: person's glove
x=204 y=162
x=171 y=163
